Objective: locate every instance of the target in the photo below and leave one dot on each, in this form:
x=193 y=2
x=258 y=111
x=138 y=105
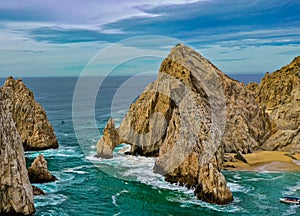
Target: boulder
x=30 y=118
x=38 y=191
x=16 y=196
x=38 y=171
x=240 y=157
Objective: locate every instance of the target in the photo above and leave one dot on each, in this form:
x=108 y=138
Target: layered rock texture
x=16 y=196
x=279 y=94
x=188 y=118
x=30 y=118
x=38 y=171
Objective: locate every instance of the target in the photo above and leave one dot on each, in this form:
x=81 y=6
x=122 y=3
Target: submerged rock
x=38 y=171
x=30 y=118
x=16 y=196
x=279 y=93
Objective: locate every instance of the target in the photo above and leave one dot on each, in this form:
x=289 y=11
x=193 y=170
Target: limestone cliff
x=279 y=93
x=16 y=196
x=30 y=118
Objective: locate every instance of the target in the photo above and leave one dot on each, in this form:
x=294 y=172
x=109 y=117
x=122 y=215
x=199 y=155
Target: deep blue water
x=125 y=185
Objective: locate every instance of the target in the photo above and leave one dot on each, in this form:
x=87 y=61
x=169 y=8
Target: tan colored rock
x=109 y=140
x=38 y=171
x=30 y=118
x=189 y=117
x=279 y=93
x=16 y=196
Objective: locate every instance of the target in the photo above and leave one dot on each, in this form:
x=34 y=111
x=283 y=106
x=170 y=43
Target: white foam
x=292 y=189
x=138 y=168
x=49 y=199
x=114 y=197
x=234 y=187
x=60 y=152
x=188 y=201
x=76 y=169
x=292 y=210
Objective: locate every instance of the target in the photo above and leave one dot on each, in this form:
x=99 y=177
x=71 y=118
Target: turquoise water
x=125 y=185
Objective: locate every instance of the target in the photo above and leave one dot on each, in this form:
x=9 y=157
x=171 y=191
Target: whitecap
x=234 y=187
x=114 y=197
x=49 y=199
x=292 y=210
x=76 y=169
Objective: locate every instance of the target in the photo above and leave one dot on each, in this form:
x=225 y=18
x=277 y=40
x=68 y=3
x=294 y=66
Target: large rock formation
x=38 y=171
x=188 y=117
x=30 y=118
x=16 y=197
x=279 y=93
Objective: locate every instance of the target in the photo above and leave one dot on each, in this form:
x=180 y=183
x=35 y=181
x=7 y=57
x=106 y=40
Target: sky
x=63 y=37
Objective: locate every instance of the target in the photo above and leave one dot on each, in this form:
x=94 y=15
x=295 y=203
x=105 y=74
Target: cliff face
x=279 y=93
x=30 y=118
x=16 y=196
x=188 y=117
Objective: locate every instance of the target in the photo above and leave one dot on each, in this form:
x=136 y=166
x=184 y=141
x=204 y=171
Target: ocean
x=126 y=185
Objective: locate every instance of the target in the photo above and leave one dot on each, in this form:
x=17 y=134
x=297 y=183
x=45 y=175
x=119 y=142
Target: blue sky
x=59 y=37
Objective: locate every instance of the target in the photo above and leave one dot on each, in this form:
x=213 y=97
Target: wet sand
x=266 y=161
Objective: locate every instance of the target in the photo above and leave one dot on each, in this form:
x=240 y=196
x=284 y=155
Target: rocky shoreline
x=24 y=126
x=194 y=119
x=194 y=114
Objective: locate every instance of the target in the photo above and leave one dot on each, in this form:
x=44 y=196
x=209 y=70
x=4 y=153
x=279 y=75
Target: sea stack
x=30 y=118
x=189 y=117
x=38 y=171
x=16 y=193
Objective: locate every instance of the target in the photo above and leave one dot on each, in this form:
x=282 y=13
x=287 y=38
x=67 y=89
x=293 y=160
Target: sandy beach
x=266 y=161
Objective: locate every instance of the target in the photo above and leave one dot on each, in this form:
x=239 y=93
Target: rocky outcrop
x=38 y=171
x=30 y=118
x=38 y=191
x=16 y=196
x=279 y=93
x=110 y=139
x=188 y=117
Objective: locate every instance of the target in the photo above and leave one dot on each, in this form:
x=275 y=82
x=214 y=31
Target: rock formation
x=37 y=191
x=30 y=118
x=279 y=93
x=188 y=117
x=38 y=171
x=16 y=196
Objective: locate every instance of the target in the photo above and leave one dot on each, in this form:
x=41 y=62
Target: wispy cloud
x=230 y=32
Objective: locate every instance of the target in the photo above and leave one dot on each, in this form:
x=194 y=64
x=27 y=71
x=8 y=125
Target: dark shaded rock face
x=16 y=196
x=279 y=93
x=38 y=171
x=38 y=191
x=30 y=118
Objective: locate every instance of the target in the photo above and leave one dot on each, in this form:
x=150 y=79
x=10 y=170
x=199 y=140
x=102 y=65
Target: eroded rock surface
x=30 y=118
x=38 y=171
x=16 y=196
x=279 y=93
